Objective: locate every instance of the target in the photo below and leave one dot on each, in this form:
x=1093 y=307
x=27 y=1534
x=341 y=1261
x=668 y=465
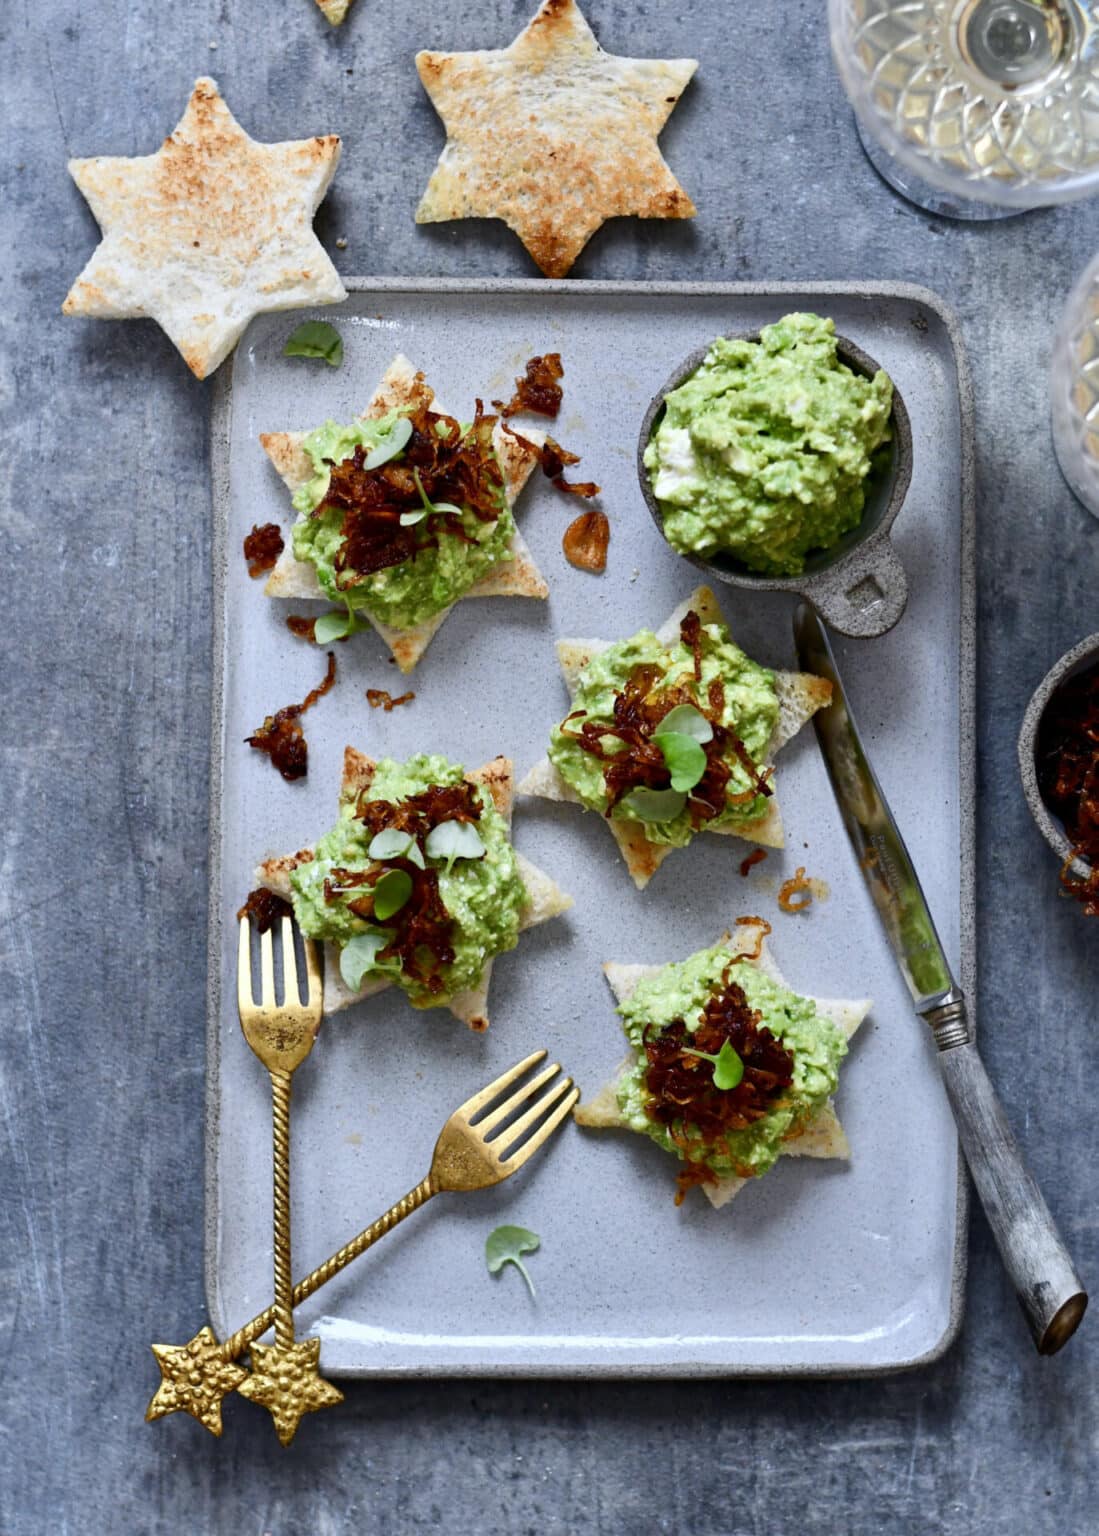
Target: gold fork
x=464 y=1159
x=197 y=1375
x=285 y=1376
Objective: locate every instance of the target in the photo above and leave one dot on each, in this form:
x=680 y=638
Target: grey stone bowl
x=1081 y=657
x=858 y=586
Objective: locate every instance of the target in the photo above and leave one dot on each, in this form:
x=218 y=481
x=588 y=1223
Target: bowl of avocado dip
x=780 y=460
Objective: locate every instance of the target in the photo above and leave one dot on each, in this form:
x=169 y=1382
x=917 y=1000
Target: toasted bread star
x=545 y=899
x=800 y=695
x=518 y=576
x=207 y=232
x=553 y=135
x=822 y=1136
x=334 y=10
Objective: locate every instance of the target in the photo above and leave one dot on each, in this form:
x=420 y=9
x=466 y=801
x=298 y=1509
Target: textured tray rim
x=221 y=412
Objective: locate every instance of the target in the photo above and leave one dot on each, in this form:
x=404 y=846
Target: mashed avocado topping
x=704 y=668
x=430 y=561
x=763 y=452
x=680 y=993
x=456 y=918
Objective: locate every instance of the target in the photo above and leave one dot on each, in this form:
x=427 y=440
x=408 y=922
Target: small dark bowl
x=858 y=586
x=1082 y=656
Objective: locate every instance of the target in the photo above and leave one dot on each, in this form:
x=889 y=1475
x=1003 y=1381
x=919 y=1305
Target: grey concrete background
x=106 y=649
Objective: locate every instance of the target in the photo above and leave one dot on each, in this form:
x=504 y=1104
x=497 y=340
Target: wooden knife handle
x=1048 y=1287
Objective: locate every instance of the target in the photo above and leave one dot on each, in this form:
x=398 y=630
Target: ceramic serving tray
x=821 y=1267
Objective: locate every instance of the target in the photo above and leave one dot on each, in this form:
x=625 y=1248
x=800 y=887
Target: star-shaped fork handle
x=486 y=1140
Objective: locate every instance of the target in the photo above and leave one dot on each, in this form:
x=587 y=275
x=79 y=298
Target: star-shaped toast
x=207 y=232
x=800 y=695
x=334 y=10
x=552 y=135
x=518 y=576
x=545 y=899
x=823 y=1136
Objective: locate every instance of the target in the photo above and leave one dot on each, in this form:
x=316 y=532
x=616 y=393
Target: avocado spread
x=734 y=693
x=481 y=897
x=680 y=992
x=763 y=452
x=440 y=566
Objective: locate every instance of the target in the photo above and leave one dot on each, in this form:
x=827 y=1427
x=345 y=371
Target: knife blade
x=1049 y=1290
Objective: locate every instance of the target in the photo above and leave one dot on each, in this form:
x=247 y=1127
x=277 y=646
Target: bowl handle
x=866 y=594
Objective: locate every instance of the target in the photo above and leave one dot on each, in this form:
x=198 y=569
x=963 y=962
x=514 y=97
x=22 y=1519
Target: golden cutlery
x=285 y=1377
x=468 y=1156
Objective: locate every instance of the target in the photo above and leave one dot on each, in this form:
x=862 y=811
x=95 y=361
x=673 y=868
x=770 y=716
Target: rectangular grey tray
x=821 y=1268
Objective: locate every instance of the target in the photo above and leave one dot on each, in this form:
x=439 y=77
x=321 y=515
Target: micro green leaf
x=655 y=804
x=728 y=1066
x=393 y=443
x=335 y=625
x=407 y=518
x=332 y=626
x=360 y=955
x=505 y=1245
x=389 y=843
x=315 y=338
x=686 y=720
x=391 y=893
x=452 y=840
x=685 y=759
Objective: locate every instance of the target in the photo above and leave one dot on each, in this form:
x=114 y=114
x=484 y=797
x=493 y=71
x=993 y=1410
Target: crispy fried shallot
x=682 y=1096
x=264 y=908
x=538 y=389
x=633 y=759
x=262 y=547
x=553 y=459
x=763 y=929
x=381 y=698
x=305 y=629
x=1068 y=777
x=796 y=894
x=281 y=735
x=450 y=465
x=586 y=540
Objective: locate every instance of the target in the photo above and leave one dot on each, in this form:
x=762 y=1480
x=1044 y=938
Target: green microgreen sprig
x=505 y=1245
x=728 y=1066
x=452 y=840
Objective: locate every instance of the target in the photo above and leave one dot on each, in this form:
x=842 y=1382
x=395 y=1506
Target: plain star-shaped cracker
x=545 y=899
x=334 y=10
x=518 y=576
x=553 y=135
x=211 y=230
x=800 y=695
x=823 y=1136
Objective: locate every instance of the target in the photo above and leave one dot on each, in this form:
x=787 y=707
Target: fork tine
x=244 y=966
x=517 y=1158
x=516 y=1132
x=267 y=969
x=312 y=973
x=290 y=994
x=505 y=1080
x=520 y=1096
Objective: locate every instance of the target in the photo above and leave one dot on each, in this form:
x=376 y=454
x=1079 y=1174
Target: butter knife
x=1049 y=1290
